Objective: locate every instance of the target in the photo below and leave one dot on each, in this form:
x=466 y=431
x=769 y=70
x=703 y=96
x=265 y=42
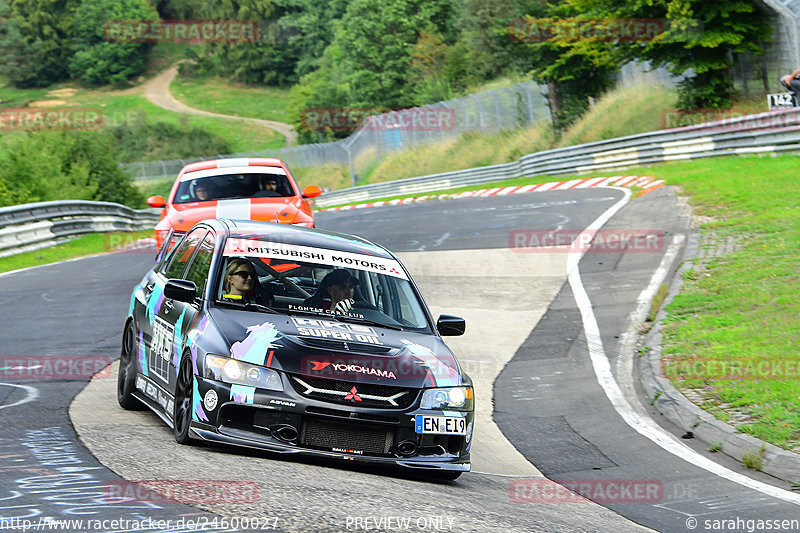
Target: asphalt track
x=525 y=346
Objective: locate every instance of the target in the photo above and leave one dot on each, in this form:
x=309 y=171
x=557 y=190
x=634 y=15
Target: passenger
x=335 y=292
x=241 y=284
x=201 y=193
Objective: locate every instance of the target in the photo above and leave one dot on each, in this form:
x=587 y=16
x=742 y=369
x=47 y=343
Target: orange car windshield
x=230 y=186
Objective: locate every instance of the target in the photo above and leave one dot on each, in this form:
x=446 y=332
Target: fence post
x=350 y=162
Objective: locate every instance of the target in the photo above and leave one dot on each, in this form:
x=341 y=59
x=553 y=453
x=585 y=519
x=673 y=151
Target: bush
x=44 y=166
x=141 y=141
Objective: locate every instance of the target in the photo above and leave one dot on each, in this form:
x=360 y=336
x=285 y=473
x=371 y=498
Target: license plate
x=441 y=425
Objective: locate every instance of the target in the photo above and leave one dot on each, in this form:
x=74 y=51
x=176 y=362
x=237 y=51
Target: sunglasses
x=244 y=274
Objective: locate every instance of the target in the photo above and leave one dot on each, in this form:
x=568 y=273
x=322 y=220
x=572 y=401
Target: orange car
x=255 y=188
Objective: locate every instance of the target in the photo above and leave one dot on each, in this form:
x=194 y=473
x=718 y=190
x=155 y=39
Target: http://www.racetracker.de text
x=145 y=524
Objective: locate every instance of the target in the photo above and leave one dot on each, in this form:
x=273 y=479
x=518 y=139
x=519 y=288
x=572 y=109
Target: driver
x=335 y=292
x=241 y=284
x=270 y=187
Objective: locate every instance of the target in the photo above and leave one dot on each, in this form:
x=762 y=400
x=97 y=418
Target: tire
x=126 y=378
x=182 y=412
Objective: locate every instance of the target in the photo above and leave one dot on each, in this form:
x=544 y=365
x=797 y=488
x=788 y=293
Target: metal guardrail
x=30 y=226
x=764 y=133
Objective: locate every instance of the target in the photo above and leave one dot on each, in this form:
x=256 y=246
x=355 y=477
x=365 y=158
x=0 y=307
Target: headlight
x=236 y=372
x=450 y=397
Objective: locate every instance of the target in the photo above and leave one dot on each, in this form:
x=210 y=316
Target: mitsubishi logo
x=353 y=395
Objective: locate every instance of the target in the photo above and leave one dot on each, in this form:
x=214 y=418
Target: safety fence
x=764 y=133
x=30 y=226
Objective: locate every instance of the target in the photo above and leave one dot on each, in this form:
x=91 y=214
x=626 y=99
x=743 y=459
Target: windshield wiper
x=249 y=305
x=359 y=320
x=344 y=318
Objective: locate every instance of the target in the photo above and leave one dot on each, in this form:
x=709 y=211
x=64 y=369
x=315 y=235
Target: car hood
x=325 y=348
x=285 y=210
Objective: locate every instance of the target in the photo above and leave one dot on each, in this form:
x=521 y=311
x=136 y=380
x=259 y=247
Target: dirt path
x=156 y=90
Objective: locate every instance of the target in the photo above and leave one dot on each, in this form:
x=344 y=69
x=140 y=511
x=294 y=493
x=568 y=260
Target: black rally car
x=296 y=341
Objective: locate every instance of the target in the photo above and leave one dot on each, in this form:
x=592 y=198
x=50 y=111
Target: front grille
x=353 y=393
x=358 y=438
x=344 y=346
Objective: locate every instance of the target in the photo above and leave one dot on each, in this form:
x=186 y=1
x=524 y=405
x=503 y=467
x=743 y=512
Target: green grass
x=134 y=108
x=622 y=112
x=91 y=244
x=12 y=97
x=130 y=106
x=229 y=98
x=742 y=309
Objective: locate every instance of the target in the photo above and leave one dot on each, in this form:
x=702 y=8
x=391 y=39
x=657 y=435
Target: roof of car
x=233 y=162
x=315 y=238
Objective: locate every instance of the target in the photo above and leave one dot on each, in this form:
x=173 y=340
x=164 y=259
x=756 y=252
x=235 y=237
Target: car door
x=181 y=316
x=163 y=313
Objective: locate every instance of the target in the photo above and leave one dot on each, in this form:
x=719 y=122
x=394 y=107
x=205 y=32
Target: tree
x=431 y=82
x=307 y=26
x=269 y=60
x=369 y=64
x=323 y=89
x=34 y=41
x=700 y=37
x=573 y=69
x=96 y=60
x=483 y=26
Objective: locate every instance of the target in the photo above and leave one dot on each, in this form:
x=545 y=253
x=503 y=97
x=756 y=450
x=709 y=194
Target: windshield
x=229 y=186
x=299 y=280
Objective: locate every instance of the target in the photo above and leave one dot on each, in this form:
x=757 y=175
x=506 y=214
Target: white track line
x=602 y=368
x=32 y=395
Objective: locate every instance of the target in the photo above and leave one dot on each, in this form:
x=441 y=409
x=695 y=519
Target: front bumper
x=288 y=422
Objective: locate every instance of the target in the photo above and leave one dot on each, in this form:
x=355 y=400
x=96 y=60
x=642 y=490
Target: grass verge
x=229 y=98
x=90 y=244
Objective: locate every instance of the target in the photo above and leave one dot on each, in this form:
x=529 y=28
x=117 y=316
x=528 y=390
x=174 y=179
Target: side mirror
x=312 y=191
x=181 y=290
x=156 y=201
x=450 y=326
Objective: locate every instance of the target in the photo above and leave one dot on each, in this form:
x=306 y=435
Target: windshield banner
x=254 y=248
